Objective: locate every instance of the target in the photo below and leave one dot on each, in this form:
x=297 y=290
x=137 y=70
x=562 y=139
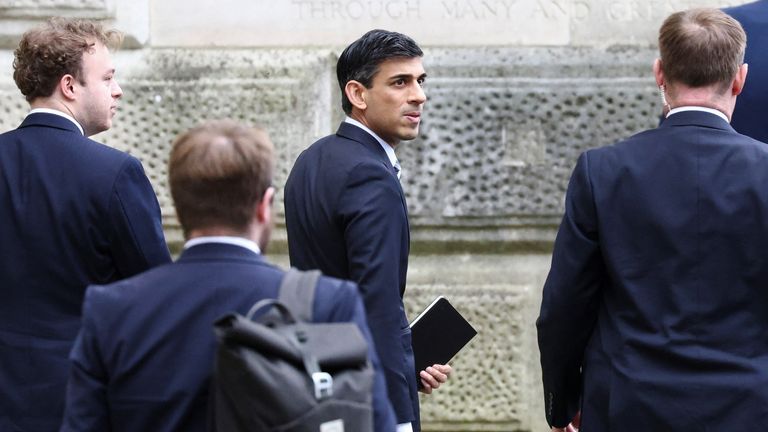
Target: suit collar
x=350 y=131
x=49 y=120
x=219 y=251
x=697 y=118
x=388 y=149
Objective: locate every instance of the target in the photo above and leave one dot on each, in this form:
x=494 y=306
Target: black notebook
x=438 y=334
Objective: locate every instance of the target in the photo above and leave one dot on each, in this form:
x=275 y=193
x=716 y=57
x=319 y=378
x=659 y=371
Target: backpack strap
x=297 y=292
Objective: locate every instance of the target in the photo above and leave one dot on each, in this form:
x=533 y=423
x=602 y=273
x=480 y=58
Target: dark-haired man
x=143 y=359
x=72 y=212
x=345 y=210
x=654 y=312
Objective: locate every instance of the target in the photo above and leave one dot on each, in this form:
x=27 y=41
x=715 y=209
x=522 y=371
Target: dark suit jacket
x=143 y=359
x=72 y=212
x=658 y=286
x=345 y=214
x=749 y=114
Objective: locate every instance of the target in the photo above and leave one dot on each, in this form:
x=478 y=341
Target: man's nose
x=417 y=95
x=117 y=92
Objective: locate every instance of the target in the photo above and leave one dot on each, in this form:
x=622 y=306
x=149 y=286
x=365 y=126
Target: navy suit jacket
x=749 y=114
x=72 y=212
x=345 y=214
x=144 y=357
x=654 y=315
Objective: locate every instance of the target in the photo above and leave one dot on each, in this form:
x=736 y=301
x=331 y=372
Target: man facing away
x=655 y=310
x=144 y=356
x=72 y=212
x=345 y=210
x=749 y=113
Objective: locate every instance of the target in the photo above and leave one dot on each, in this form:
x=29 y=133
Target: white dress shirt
x=698 y=108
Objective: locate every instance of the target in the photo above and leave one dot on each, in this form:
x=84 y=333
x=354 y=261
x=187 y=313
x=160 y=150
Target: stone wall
x=517 y=89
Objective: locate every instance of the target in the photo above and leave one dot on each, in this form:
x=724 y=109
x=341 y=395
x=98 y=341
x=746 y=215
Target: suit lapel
x=354 y=133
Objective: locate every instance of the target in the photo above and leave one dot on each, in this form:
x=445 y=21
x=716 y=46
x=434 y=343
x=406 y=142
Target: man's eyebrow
x=407 y=76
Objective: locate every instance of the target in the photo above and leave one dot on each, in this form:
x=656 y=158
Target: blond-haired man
x=654 y=312
x=72 y=212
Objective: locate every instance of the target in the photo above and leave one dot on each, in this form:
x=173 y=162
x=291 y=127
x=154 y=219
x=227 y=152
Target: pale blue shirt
x=58 y=113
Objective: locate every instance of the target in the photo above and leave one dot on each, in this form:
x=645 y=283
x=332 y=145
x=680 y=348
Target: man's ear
x=356 y=93
x=67 y=86
x=658 y=73
x=739 y=80
x=264 y=207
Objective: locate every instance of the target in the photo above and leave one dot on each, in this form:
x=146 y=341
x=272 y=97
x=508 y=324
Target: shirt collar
x=236 y=241
x=387 y=148
x=58 y=113
x=698 y=108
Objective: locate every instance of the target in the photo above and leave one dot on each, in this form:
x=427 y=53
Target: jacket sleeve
x=570 y=299
x=375 y=224
x=137 y=242
x=86 y=398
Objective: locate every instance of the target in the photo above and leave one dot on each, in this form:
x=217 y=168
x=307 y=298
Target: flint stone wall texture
x=512 y=103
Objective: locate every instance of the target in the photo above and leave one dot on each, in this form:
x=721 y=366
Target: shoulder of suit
x=341 y=146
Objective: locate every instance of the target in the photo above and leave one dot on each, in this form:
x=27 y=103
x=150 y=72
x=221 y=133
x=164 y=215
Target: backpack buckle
x=323 y=385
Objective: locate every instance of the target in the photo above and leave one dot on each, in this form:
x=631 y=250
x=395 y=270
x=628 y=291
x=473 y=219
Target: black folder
x=438 y=334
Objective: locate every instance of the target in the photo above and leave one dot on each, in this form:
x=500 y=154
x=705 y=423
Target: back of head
x=360 y=60
x=701 y=47
x=218 y=172
x=47 y=53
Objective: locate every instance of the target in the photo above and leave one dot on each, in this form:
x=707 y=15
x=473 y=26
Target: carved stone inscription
x=337 y=22
x=430 y=22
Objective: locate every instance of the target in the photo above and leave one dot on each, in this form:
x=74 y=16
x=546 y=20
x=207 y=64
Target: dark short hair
x=217 y=173
x=360 y=60
x=701 y=47
x=54 y=49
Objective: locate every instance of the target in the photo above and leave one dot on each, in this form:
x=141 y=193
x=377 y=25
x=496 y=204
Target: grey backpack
x=278 y=371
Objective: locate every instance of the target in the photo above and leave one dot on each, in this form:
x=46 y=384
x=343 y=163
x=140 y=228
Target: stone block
x=130 y=17
x=496 y=383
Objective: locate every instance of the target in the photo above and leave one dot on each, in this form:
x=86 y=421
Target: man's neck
x=37 y=107
x=706 y=97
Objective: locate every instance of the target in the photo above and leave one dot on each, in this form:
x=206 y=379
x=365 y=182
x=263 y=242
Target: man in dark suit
x=143 y=359
x=72 y=212
x=655 y=310
x=749 y=114
x=345 y=211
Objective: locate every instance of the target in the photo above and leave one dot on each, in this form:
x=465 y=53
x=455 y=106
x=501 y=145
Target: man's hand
x=573 y=426
x=433 y=376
